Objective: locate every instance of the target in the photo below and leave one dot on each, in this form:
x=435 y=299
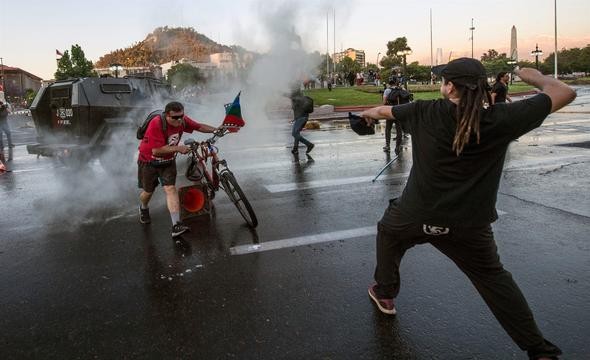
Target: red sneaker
x=385 y=305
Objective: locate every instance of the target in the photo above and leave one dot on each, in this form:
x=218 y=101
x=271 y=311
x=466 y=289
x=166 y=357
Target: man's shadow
x=301 y=165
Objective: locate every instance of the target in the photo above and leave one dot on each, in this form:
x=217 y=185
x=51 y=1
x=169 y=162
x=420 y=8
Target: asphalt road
x=81 y=278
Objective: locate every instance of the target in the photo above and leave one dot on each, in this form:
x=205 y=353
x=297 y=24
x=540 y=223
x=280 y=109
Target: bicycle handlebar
x=216 y=135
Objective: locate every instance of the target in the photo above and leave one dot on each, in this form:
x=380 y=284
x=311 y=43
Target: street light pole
x=511 y=62
x=536 y=53
x=116 y=68
x=555 y=53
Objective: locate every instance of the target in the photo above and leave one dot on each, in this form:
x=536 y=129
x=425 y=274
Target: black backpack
x=143 y=127
x=399 y=96
x=307 y=104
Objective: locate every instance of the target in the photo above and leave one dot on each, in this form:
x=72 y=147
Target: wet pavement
x=81 y=278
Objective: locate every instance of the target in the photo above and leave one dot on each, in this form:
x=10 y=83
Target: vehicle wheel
x=236 y=195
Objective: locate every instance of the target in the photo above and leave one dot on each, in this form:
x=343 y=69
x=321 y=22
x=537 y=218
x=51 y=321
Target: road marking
x=276 y=188
x=310 y=239
x=36 y=169
x=304 y=240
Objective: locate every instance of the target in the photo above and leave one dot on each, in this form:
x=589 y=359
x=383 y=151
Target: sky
x=31 y=31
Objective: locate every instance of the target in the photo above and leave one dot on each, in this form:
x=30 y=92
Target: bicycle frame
x=219 y=176
x=204 y=152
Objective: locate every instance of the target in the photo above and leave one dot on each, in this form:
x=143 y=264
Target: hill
x=164 y=44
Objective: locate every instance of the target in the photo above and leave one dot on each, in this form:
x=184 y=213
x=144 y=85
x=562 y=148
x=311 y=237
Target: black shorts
x=148 y=176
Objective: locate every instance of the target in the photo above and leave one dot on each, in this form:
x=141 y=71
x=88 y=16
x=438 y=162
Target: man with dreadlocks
x=459 y=144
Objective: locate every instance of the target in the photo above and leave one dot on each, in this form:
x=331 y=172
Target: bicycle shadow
x=207 y=238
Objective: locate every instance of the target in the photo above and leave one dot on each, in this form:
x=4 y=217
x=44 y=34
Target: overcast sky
x=31 y=31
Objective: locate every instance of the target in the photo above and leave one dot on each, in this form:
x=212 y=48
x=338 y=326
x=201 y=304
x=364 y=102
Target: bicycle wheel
x=236 y=195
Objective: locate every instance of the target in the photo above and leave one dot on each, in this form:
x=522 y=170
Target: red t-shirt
x=154 y=137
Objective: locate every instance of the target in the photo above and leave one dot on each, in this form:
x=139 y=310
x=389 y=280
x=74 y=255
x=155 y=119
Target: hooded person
x=301 y=110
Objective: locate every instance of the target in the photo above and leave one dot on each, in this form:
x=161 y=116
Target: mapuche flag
x=233 y=115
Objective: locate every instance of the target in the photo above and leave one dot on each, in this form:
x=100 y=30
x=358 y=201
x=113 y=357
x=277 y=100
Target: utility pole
x=472 y=28
x=555 y=53
x=3 y=83
x=327 y=46
x=334 y=43
x=431 y=58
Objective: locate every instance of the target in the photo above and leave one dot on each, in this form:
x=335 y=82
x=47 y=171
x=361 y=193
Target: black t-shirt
x=501 y=91
x=449 y=190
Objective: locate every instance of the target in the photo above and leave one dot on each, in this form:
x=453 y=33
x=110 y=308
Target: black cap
x=359 y=125
x=462 y=71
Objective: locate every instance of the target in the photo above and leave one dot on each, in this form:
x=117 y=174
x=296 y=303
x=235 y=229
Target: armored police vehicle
x=78 y=120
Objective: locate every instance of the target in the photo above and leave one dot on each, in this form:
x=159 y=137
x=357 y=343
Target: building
x=16 y=82
x=225 y=63
x=356 y=55
x=207 y=68
x=121 y=71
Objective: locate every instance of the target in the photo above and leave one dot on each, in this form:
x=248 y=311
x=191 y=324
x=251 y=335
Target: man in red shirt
x=157 y=160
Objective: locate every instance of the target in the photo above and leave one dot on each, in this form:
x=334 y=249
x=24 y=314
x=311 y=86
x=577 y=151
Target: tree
x=347 y=66
x=75 y=65
x=418 y=72
x=184 y=75
x=399 y=44
x=316 y=58
x=495 y=62
x=29 y=96
x=391 y=59
x=371 y=66
x=568 y=61
x=492 y=55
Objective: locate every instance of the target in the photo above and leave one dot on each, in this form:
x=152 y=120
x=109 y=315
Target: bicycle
x=219 y=176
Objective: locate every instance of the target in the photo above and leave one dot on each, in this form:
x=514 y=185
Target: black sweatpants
x=474 y=251
x=398 y=134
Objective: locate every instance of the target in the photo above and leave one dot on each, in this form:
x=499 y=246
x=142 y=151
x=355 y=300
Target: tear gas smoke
x=90 y=194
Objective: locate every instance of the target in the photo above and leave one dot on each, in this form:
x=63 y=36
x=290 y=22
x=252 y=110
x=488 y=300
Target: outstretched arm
x=207 y=128
x=560 y=93
x=377 y=113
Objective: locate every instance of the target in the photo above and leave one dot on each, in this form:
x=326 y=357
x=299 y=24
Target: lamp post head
x=116 y=68
x=537 y=51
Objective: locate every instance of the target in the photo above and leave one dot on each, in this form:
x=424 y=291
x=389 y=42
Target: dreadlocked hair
x=469 y=109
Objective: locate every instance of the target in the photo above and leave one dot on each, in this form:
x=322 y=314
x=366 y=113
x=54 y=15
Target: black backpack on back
x=307 y=104
x=141 y=129
x=398 y=96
